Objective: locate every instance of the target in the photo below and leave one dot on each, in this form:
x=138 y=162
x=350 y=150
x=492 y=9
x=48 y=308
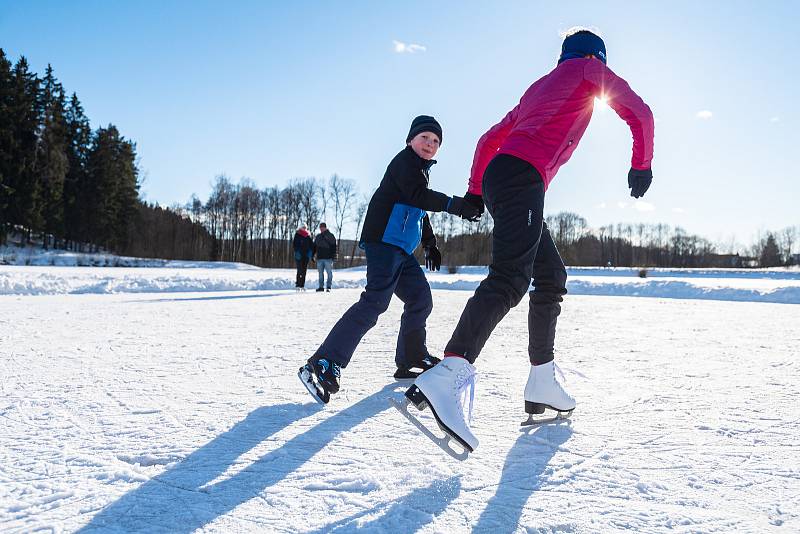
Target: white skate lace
x=560 y=373
x=466 y=380
x=556 y=368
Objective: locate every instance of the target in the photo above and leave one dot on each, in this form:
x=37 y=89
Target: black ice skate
x=320 y=376
x=416 y=369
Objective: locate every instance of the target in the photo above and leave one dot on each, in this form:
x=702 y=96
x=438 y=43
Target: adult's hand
x=462 y=208
x=475 y=200
x=639 y=181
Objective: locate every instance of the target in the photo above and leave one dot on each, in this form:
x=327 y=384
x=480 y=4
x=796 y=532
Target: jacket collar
x=417 y=161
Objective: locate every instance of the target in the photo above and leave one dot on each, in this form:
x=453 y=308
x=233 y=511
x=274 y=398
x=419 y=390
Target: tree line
x=256 y=226
x=61 y=182
x=660 y=245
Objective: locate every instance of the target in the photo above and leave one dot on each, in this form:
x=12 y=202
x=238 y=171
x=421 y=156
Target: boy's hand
x=433 y=258
x=462 y=208
x=475 y=200
x=639 y=181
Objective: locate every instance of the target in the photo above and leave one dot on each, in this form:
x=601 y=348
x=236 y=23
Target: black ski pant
x=522 y=250
x=302 y=267
x=390 y=271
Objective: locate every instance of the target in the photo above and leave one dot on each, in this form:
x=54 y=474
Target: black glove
x=465 y=210
x=475 y=200
x=639 y=181
x=433 y=258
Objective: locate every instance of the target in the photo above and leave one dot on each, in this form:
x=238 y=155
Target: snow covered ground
x=166 y=400
x=775 y=285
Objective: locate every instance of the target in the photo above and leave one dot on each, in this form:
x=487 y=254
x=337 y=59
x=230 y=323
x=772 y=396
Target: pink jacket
x=547 y=124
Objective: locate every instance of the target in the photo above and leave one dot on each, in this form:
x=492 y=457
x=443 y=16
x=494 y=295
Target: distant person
x=395 y=224
x=514 y=163
x=303 y=251
x=325 y=251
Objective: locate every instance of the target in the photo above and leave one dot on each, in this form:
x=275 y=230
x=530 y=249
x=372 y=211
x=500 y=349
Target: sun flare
x=601 y=102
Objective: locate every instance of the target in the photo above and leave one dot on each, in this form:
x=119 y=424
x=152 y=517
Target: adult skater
x=303 y=250
x=395 y=224
x=325 y=251
x=514 y=163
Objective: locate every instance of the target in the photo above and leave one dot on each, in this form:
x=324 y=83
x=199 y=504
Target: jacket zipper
x=405 y=220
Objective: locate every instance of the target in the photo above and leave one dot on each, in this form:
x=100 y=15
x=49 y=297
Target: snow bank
x=34 y=256
x=778 y=286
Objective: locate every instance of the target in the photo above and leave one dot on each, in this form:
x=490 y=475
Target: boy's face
x=425 y=144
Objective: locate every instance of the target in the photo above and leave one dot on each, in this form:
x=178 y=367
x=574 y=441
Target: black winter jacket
x=325 y=245
x=396 y=213
x=303 y=247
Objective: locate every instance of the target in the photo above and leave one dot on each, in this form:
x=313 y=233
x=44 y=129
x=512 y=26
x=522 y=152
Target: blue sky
x=276 y=90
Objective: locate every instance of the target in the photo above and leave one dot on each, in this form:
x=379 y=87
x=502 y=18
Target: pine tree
x=24 y=208
x=78 y=143
x=6 y=143
x=112 y=188
x=127 y=192
x=52 y=161
x=770 y=253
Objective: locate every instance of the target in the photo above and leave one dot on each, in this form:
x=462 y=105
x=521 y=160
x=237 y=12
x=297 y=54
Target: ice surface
x=170 y=411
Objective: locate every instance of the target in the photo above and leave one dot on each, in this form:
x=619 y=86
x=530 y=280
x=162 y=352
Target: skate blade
x=537 y=421
x=407 y=381
x=441 y=442
x=307 y=378
x=406 y=374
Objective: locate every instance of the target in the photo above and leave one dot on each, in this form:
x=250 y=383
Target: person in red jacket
x=515 y=162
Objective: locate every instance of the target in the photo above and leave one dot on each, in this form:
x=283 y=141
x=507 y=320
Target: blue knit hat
x=580 y=44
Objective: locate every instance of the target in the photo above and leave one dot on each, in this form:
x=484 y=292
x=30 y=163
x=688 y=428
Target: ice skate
x=414 y=370
x=543 y=391
x=320 y=376
x=440 y=389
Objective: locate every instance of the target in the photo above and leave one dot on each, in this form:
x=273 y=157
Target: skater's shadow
x=407 y=514
x=522 y=476
x=188 y=496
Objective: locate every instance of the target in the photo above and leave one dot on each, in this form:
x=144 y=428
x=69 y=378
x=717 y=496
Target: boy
x=395 y=224
x=514 y=163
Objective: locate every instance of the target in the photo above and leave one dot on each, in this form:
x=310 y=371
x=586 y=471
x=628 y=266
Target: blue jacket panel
x=404 y=227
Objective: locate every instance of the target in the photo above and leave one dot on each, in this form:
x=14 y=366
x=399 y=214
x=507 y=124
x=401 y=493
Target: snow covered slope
x=171 y=412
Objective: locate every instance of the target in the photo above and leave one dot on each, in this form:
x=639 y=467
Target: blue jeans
x=390 y=271
x=325 y=266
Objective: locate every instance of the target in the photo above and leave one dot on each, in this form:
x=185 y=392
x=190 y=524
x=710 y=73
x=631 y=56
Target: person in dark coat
x=325 y=252
x=303 y=251
x=395 y=224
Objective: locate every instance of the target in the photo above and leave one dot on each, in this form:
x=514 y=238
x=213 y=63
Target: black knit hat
x=424 y=123
x=582 y=43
